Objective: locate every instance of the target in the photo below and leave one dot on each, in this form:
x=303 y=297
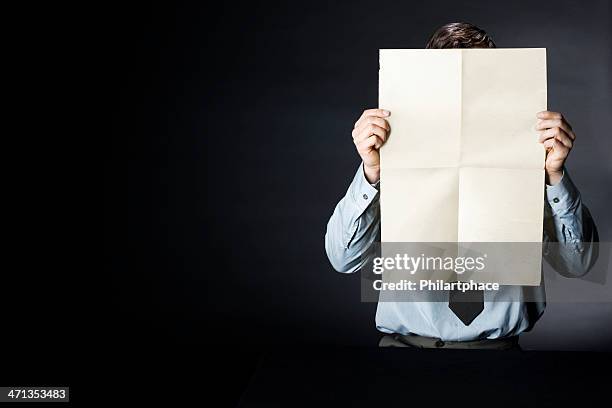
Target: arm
x=570 y=234
x=354 y=225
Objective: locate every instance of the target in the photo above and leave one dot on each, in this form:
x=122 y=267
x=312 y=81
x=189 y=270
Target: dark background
x=231 y=145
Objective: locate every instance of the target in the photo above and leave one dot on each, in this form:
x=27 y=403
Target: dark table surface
x=404 y=377
x=304 y=375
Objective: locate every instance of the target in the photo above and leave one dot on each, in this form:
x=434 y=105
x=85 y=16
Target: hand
x=558 y=139
x=369 y=134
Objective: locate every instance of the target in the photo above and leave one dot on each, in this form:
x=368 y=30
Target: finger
x=550 y=133
x=548 y=144
x=369 y=143
x=564 y=138
x=551 y=123
x=380 y=113
x=374 y=131
x=366 y=119
x=557 y=146
x=366 y=131
x=549 y=115
x=556 y=133
x=373 y=120
x=376 y=112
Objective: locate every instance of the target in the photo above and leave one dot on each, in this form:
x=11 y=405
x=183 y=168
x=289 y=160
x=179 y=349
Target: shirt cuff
x=563 y=197
x=362 y=191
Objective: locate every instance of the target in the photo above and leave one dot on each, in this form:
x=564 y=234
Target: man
x=355 y=226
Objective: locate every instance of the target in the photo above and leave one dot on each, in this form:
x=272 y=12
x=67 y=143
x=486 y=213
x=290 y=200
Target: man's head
x=460 y=35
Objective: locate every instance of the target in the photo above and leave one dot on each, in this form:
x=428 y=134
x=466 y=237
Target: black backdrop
x=231 y=146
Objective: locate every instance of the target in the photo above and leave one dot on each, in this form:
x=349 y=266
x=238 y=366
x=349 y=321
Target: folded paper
x=463 y=162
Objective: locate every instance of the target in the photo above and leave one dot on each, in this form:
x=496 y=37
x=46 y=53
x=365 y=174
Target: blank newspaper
x=463 y=163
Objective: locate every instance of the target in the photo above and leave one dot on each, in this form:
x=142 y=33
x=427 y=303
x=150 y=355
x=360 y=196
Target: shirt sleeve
x=354 y=226
x=570 y=235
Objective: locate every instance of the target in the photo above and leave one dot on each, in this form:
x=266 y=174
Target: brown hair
x=460 y=35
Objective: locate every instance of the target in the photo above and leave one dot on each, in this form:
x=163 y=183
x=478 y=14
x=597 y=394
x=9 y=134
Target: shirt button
x=365 y=196
x=439 y=343
x=555 y=200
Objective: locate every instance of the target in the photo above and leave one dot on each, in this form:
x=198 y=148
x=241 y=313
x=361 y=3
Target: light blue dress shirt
x=355 y=226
